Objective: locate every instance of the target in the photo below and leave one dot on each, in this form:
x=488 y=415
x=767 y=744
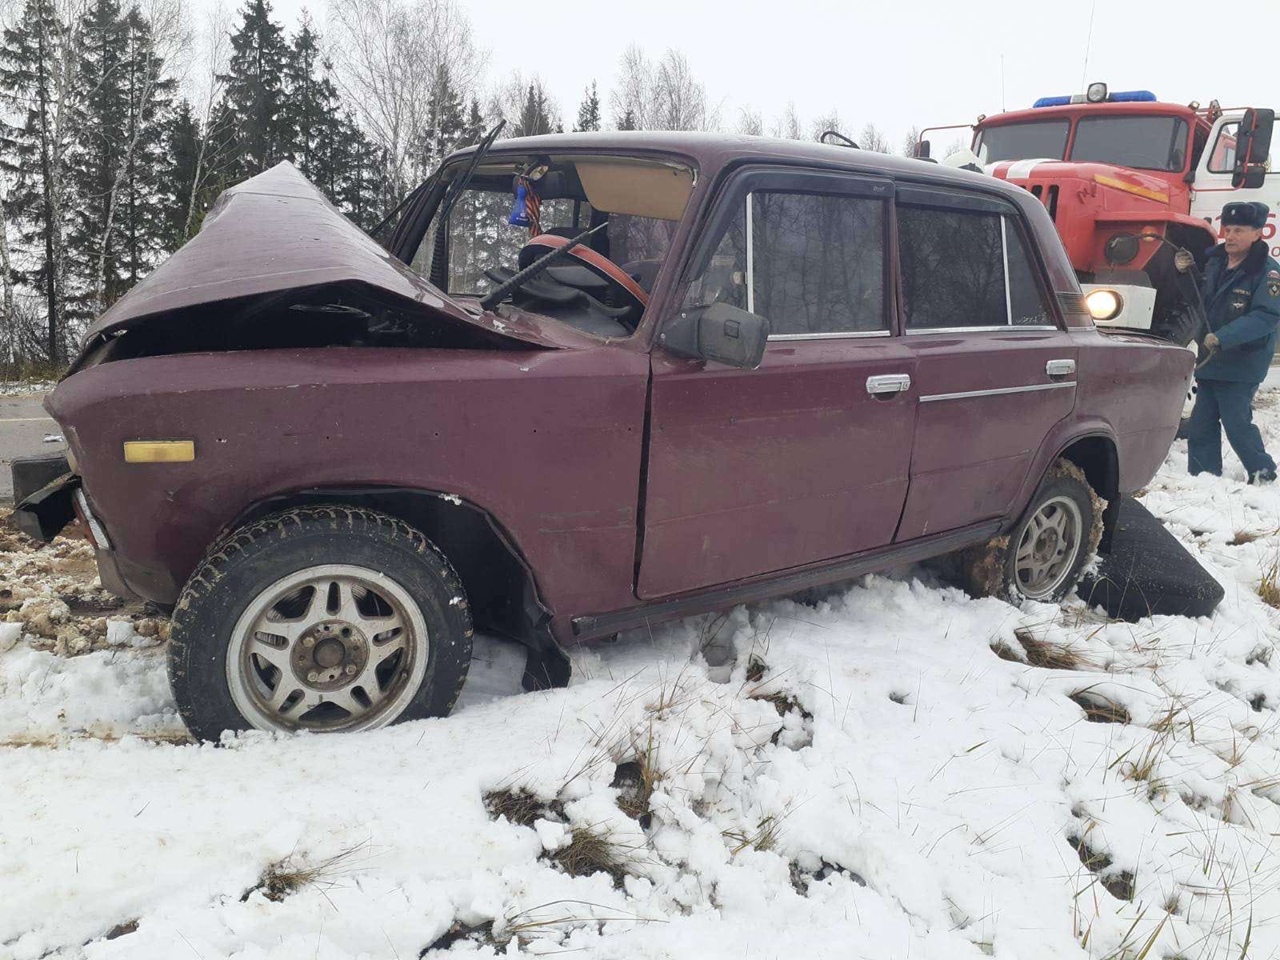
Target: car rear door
x=994 y=368
x=804 y=459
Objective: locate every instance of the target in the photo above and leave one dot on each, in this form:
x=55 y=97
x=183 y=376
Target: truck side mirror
x=922 y=149
x=719 y=332
x=1253 y=147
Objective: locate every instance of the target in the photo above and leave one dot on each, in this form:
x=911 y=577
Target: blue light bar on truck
x=1133 y=96
x=1120 y=96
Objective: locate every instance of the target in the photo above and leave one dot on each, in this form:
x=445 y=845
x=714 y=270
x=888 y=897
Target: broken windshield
x=516 y=209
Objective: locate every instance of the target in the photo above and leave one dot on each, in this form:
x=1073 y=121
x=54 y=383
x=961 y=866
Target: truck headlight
x=1121 y=249
x=1104 y=304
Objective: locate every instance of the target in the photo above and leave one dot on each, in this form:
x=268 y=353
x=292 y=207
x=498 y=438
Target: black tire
x=994 y=568
x=404 y=578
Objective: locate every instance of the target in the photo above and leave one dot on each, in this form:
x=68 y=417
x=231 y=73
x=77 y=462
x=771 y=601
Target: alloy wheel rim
x=1047 y=548
x=332 y=647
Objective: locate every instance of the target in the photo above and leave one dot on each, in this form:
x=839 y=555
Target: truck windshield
x=1144 y=143
x=1041 y=140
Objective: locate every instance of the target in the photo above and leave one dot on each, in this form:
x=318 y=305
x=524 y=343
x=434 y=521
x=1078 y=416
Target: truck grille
x=1048 y=197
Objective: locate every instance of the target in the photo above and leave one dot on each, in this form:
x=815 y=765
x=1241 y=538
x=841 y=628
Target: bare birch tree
x=788 y=126
x=660 y=96
x=871 y=138
x=388 y=55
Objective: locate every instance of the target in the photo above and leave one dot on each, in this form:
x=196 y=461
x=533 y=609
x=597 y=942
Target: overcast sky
x=897 y=64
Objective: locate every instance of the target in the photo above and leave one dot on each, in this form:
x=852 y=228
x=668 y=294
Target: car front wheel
x=327 y=619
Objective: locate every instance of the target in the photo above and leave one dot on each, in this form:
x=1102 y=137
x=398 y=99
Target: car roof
x=710 y=152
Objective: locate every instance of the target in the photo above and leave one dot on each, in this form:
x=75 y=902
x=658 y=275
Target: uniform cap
x=1245 y=213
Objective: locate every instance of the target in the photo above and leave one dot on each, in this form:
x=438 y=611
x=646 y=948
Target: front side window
x=1223 y=157
x=966 y=269
x=808 y=263
x=1144 y=143
x=1040 y=140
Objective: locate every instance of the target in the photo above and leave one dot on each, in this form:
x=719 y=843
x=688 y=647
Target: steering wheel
x=602 y=274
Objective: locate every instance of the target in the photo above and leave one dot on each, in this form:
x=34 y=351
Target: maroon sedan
x=591 y=382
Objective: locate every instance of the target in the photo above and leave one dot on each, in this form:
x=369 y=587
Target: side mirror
x=719 y=332
x=922 y=149
x=1253 y=147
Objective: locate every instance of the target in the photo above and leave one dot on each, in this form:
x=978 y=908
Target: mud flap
x=1148 y=571
x=546 y=664
x=43 y=514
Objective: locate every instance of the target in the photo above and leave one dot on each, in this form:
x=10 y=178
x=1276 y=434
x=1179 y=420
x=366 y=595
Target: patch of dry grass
x=1269 y=586
x=290 y=874
x=1099 y=709
x=763 y=837
x=590 y=852
x=1048 y=654
x=516 y=804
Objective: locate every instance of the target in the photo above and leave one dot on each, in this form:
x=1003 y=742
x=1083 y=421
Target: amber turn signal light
x=159 y=451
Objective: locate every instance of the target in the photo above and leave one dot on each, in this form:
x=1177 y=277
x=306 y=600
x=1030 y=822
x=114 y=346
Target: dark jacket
x=1242 y=306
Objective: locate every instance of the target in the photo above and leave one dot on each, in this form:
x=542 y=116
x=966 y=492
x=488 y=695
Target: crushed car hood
x=276 y=232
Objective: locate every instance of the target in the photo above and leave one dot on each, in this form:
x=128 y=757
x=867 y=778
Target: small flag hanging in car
x=527 y=210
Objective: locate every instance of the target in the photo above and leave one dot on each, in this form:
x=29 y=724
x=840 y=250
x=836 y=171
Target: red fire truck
x=1128 y=180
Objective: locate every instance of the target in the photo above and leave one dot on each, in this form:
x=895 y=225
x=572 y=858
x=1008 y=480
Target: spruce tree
x=32 y=157
x=535 y=116
x=589 y=111
x=311 y=115
x=150 y=104
x=445 y=121
x=179 y=174
x=115 y=158
x=102 y=113
x=254 y=101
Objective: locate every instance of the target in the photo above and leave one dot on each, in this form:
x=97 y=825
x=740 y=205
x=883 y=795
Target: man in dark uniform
x=1241 y=293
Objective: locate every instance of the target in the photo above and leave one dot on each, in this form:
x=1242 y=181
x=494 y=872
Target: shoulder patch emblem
x=1273 y=283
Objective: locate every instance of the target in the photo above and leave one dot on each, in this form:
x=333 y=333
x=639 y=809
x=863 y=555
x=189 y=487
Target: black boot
x=1262 y=476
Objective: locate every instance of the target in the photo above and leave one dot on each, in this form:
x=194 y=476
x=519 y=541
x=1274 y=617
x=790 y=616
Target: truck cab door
x=1213 y=185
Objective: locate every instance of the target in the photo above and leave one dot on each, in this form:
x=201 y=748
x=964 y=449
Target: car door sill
x=787 y=582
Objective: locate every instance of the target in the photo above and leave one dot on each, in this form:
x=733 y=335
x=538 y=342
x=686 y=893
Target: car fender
x=1058 y=441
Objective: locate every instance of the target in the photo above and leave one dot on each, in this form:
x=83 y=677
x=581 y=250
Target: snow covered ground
x=880 y=774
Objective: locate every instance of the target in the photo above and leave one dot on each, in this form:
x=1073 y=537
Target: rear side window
x=810 y=263
x=1027 y=305
x=966 y=269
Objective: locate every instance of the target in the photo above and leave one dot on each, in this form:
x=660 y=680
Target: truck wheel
x=324 y=619
x=1041 y=559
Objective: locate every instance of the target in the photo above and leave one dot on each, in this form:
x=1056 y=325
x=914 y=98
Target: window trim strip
x=1003 y=328
x=1004 y=249
x=838 y=335
x=751 y=254
x=999 y=391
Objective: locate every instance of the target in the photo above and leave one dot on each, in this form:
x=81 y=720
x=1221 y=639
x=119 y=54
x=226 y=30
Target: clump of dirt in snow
x=52 y=592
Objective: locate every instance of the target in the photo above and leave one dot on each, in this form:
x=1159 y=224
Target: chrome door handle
x=1060 y=368
x=888 y=383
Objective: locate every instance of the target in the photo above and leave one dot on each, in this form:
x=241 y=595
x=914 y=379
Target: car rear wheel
x=327 y=619
x=1042 y=558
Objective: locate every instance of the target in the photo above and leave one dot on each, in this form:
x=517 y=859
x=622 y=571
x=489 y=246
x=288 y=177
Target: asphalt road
x=23 y=427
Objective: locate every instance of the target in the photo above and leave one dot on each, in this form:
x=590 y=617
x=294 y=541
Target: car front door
x=994 y=369
x=805 y=458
